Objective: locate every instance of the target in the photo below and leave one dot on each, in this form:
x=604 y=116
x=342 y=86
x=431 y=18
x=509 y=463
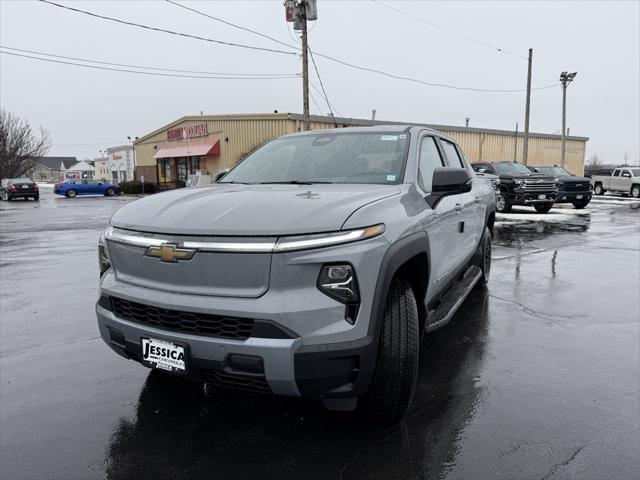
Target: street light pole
x=565 y=78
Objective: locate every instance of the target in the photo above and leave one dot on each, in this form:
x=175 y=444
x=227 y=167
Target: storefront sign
x=191 y=131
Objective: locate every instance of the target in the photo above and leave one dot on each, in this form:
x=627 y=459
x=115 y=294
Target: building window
x=194 y=164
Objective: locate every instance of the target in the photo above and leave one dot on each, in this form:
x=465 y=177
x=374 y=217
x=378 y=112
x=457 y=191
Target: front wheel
x=71 y=193
x=394 y=380
x=543 y=207
x=635 y=191
x=110 y=192
x=598 y=189
x=502 y=203
x=580 y=205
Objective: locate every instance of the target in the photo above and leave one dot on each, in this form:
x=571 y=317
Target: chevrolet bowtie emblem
x=170 y=253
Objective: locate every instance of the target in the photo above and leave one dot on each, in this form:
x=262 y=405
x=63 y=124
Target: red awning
x=193 y=150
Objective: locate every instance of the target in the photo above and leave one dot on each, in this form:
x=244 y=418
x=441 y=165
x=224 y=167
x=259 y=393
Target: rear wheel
x=110 y=192
x=36 y=198
x=635 y=191
x=394 y=380
x=580 y=204
x=543 y=207
x=483 y=257
x=598 y=189
x=71 y=193
x=502 y=203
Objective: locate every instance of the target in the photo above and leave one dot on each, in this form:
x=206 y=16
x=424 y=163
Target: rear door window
x=428 y=161
x=616 y=173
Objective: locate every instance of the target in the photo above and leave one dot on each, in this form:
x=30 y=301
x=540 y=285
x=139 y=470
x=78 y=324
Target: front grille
x=251 y=383
x=575 y=187
x=185 y=322
x=534 y=186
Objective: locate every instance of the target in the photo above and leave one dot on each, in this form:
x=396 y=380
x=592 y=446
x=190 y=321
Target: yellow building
x=209 y=143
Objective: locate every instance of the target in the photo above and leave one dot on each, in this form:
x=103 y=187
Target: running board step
x=454 y=298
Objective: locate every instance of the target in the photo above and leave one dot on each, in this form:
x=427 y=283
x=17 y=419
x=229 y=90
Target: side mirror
x=220 y=174
x=448 y=181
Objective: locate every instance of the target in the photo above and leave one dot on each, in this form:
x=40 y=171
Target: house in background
x=82 y=169
x=102 y=169
x=52 y=169
x=121 y=163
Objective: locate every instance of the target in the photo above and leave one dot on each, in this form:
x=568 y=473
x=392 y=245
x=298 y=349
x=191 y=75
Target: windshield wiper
x=241 y=183
x=291 y=182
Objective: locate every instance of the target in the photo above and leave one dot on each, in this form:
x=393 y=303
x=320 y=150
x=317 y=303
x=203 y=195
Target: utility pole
x=305 y=67
x=565 y=78
x=299 y=12
x=525 y=143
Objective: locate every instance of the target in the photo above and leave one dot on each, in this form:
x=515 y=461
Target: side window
x=450 y=151
x=428 y=161
x=616 y=173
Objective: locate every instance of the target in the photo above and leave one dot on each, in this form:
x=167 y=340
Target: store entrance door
x=181 y=172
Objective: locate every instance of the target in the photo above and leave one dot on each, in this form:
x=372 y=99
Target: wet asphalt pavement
x=537 y=377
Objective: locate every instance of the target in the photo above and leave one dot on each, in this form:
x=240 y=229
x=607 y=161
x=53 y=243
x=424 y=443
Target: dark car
x=520 y=186
x=26 y=188
x=571 y=188
x=73 y=188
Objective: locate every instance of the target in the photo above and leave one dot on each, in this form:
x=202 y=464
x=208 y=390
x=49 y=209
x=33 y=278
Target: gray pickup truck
x=622 y=180
x=312 y=269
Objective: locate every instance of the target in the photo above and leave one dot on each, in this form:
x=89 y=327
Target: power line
x=317 y=89
x=147 y=68
x=324 y=93
x=171 y=32
x=328 y=57
x=156 y=74
x=452 y=32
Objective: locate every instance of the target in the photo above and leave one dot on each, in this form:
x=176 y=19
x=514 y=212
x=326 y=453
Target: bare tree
x=594 y=160
x=20 y=146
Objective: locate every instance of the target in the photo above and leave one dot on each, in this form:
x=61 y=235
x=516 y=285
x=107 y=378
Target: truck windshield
x=554 y=171
x=341 y=157
x=511 y=168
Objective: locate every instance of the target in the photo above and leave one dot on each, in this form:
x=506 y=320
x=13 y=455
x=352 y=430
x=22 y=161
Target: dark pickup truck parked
x=520 y=186
x=571 y=188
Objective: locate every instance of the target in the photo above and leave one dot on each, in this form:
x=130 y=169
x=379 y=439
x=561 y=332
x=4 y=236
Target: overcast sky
x=87 y=110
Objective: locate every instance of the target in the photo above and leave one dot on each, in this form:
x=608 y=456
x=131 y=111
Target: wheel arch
x=406 y=257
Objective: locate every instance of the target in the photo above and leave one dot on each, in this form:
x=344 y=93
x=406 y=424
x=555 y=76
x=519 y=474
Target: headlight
x=339 y=282
x=517 y=181
x=303 y=242
x=104 y=262
x=556 y=181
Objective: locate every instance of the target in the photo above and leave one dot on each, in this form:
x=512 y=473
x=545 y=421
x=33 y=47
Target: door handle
x=476 y=200
x=458 y=207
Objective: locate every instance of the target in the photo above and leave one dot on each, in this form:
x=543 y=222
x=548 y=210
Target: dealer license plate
x=164 y=355
x=578 y=197
x=542 y=197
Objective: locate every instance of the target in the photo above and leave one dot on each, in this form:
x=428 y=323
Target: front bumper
x=324 y=357
x=573 y=196
x=530 y=198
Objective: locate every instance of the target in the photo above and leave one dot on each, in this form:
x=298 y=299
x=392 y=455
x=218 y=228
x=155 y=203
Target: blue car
x=73 y=188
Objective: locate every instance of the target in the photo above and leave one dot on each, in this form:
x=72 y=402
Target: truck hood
x=225 y=209
x=532 y=175
x=573 y=180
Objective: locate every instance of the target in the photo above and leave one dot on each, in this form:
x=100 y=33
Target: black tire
x=482 y=257
x=502 y=203
x=598 y=189
x=9 y=198
x=110 y=192
x=543 y=207
x=71 y=193
x=635 y=191
x=37 y=198
x=580 y=204
x=394 y=380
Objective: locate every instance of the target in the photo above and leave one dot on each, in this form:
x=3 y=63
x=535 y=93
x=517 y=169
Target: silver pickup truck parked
x=311 y=269
x=622 y=180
